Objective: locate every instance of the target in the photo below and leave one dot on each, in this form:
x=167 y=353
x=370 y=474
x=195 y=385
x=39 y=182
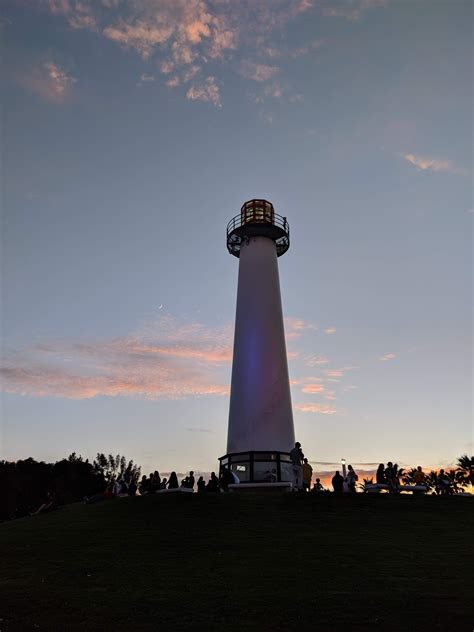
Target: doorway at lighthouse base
x=258 y=466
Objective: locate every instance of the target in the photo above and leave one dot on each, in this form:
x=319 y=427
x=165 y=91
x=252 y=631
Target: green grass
x=229 y=562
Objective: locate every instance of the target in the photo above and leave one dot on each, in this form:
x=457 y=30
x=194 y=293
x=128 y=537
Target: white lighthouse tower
x=260 y=433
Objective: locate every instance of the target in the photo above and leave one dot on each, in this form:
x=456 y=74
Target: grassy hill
x=227 y=562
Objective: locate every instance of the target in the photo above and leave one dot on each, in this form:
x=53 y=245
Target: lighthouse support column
x=260 y=416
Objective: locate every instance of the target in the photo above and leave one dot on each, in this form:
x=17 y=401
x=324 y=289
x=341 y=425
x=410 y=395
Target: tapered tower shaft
x=260 y=415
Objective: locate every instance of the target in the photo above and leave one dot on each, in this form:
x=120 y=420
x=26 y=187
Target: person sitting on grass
x=419 y=478
x=380 y=475
x=49 y=504
x=317 y=487
x=173 y=481
x=155 y=481
x=337 y=483
x=164 y=483
x=190 y=484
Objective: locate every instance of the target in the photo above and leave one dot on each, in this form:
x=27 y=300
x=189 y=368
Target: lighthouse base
x=259 y=466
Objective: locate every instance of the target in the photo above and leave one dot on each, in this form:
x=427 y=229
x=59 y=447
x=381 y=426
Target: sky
x=132 y=132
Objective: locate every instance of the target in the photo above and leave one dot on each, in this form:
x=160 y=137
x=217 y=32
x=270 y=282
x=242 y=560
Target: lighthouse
x=260 y=431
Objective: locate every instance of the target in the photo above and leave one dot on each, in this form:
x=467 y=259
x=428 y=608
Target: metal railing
x=257 y=216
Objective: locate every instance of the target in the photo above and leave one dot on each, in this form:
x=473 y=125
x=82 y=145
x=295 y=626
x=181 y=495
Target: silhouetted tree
x=465 y=470
x=113 y=467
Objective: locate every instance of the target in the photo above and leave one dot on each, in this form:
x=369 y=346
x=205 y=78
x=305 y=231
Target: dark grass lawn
x=230 y=562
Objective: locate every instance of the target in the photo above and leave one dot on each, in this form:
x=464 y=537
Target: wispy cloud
x=164 y=361
x=316 y=360
x=258 y=72
x=387 y=356
x=322 y=409
x=330 y=330
x=350 y=9
x=425 y=163
x=49 y=80
x=205 y=91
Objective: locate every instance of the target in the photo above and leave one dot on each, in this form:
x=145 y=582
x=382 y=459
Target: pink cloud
x=313 y=388
x=207 y=90
x=258 y=72
x=161 y=362
x=322 y=409
x=330 y=330
x=430 y=164
x=351 y=9
x=388 y=356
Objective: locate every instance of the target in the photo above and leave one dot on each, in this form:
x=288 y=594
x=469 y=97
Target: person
x=123 y=488
x=226 y=478
x=144 y=487
x=270 y=476
x=307 y=475
x=389 y=476
x=201 y=485
x=442 y=483
x=297 y=456
x=164 y=483
x=351 y=479
x=117 y=487
x=317 y=486
x=155 y=481
x=337 y=482
x=419 y=478
x=380 y=475
x=396 y=478
x=48 y=505
x=132 y=488
x=173 y=481
x=191 y=480
x=212 y=483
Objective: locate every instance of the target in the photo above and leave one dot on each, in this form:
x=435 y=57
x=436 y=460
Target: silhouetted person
x=191 y=480
x=212 y=483
x=173 y=481
x=380 y=475
x=442 y=483
x=226 y=478
x=155 y=481
x=419 y=477
x=201 y=485
x=337 y=483
x=317 y=487
x=144 y=486
x=297 y=456
x=164 y=483
x=351 y=479
x=307 y=475
x=132 y=488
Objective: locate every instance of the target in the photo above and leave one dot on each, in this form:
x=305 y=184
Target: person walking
x=297 y=456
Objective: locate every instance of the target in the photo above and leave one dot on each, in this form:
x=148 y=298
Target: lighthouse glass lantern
x=260 y=431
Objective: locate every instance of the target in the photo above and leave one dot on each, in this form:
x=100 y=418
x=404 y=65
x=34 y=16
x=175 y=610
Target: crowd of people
x=387 y=476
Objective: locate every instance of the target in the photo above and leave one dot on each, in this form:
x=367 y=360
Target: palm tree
x=408 y=476
x=465 y=470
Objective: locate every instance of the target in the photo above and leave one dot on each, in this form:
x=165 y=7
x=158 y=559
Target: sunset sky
x=133 y=130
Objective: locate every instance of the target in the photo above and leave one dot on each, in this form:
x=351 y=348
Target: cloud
x=49 y=80
x=330 y=330
x=258 y=72
x=165 y=360
x=316 y=360
x=180 y=33
x=322 y=409
x=388 y=356
x=205 y=91
x=351 y=9
x=431 y=164
x=335 y=373
x=313 y=388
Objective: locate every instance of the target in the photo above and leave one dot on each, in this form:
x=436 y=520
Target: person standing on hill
x=297 y=456
x=380 y=475
x=307 y=475
x=351 y=479
x=337 y=483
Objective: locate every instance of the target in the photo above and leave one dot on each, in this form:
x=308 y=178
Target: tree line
x=24 y=484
